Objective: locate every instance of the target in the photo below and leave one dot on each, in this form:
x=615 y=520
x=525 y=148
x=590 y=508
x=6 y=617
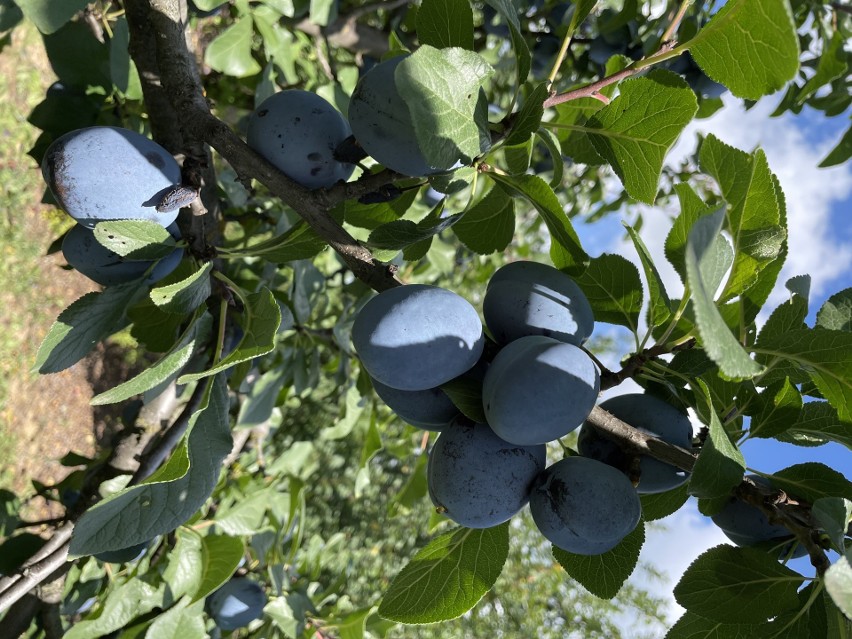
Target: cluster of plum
x=538 y=387
x=105 y=173
x=302 y=134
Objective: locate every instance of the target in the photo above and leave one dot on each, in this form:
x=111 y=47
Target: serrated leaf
x=840 y=153
x=447 y=577
x=87 y=321
x=441 y=89
x=738 y=585
x=170 y=496
x=836 y=313
x=692 y=208
x=166 y=367
x=353 y=625
x=614 y=290
x=818 y=423
x=636 y=130
x=826 y=355
x=230 y=51
x=261 y=319
x=445 y=23
x=808 y=620
x=603 y=575
x=692 y=626
x=812 y=481
x=526 y=121
x=838 y=583
x=661 y=505
x=299 y=242
x=49 y=15
x=185 y=296
x=747 y=185
x=750 y=46
x=717 y=339
x=246 y=516
x=720 y=465
x=221 y=557
x=659 y=309
x=135 y=239
x=488 y=226
x=780 y=409
x=566 y=252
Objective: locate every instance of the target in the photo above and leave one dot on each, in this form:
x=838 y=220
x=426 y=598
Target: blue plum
x=417 y=337
x=529 y=298
x=107 y=173
x=99 y=264
x=477 y=479
x=298 y=131
x=584 y=506
x=124 y=555
x=746 y=525
x=653 y=416
x=237 y=603
x=429 y=409
x=539 y=389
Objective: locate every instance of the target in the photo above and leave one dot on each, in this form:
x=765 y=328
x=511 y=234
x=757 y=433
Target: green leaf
x=692 y=208
x=523 y=59
x=838 y=583
x=185 y=296
x=603 y=575
x=636 y=130
x=181 y=621
x=818 y=423
x=692 y=626
x=369 y=216
x=135 y=239
x=260 y=401
x=826 y=355
x=833 y=515
x=836 y=313
x=614 y=289
x=566 y=252
x=660 y=505
x=809 y=620
x=754 y=217
x=549 y=139
x=659 y=309
x=750 y=46
x=170 y=496
x=840 y=153
x=526 y=121
x=582 y=8
x=90 y=319
x=720 y=465
x=717 y=339
x=122 y=605
x=299 y=242
x=445 y=23
x=781 y=405
x=49 y=15
x=230 y=51
x=402 y=233
x=441 y=89
x=812 y=481
x=261 y=319
x=738 y=585
x=323 y=12
x=184 y=569
x=221 y=557
x=488 y=226
x=166 y=367
x=466 y=393
x=447 y=577
x=832 y=64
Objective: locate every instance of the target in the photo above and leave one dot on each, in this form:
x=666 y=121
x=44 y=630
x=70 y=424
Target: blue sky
x=820 y=240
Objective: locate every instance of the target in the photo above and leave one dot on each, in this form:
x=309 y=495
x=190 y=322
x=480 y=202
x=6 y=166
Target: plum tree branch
x=178 y=73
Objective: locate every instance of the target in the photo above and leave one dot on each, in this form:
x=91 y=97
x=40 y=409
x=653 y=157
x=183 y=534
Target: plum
x=529 y=298
x=417 y=337
x=298 y=131
x=584 y=506
x=99 y=264
x=123 y=555
x=429 y=409
x=653 y=416
x=539 y=389
x=382 y=124
x=107 y=173
x=479 y=480
x=746 y=525
x=237 y=603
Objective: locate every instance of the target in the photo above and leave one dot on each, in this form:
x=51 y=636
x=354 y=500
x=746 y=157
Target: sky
x=819 y=203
